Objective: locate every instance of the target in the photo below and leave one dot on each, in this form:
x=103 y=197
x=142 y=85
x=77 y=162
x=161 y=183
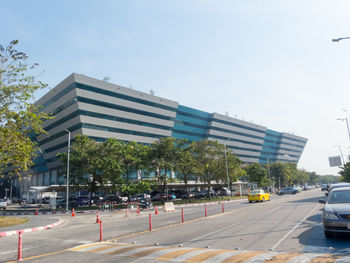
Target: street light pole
x=338 y=39
x=67 y=192
x=347 y=124
x=228 y=183
x=341 y=153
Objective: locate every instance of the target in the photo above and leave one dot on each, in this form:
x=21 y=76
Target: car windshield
x=256 y=192
x=339 y=197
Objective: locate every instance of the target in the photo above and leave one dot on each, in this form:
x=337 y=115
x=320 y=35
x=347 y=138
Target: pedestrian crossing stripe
x=205 y=255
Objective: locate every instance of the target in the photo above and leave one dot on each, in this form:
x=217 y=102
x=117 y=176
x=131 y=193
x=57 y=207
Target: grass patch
x=11 y=221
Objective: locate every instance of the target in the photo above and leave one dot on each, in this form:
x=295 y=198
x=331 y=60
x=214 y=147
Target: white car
x=3 y=204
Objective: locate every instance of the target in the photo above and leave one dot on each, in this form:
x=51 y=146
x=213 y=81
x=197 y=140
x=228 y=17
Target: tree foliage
x=20 y=118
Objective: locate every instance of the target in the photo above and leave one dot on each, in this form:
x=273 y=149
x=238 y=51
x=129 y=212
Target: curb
x=15 y=232
x=212 y=203
x=51 y=213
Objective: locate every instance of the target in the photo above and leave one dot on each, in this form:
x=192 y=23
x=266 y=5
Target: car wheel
x=250 y=201
x=328 y=234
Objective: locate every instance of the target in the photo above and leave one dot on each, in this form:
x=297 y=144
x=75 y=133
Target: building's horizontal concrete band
x=294 y=137
x=234 y=136
x=123 y=114
x=285 y=140
x=253 y=154
x=122 y=90
x=120 y=136
x=239 y=144
x=291 y=147
x=214 y=124
x=126 y=126
x=125 y=103
x=237 y=121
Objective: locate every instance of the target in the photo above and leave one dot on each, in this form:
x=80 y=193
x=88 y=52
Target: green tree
x=20 y=118
x=208 y=154
x=85 y=164
x=133 y=158
x=257 y=174
x=162 y=160
x=345 y=172
x=185 y=163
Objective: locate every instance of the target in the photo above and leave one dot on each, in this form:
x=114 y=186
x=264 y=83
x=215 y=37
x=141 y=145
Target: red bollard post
x=223 y=209
x=101 y=231
x=19 y=256
x=205 y=210
x=36 y=212
x=182 y=215
x=150 y=222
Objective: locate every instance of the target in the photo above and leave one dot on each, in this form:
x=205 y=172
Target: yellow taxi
x=258 y=195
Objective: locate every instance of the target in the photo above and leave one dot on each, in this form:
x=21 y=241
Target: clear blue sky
x=270 y=62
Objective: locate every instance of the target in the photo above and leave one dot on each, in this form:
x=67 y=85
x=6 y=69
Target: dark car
x=204 y=193
x=110 y=198
x=288 y=190
x=61 y=203
x=83 y=201
x=334 y=186
x=336 y=212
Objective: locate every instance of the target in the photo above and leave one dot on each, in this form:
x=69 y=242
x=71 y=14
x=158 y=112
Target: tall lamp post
x=338 y=39
x=347 y=124
x=341 y=153
x=67 y=194
x=228 y=182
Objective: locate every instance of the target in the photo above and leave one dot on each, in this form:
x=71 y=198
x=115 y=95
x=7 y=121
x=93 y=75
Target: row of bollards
x=98 y=220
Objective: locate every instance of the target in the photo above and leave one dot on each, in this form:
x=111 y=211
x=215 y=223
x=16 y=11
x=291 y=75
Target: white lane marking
x=14 y=251
x=227 y=227
x=295 y=227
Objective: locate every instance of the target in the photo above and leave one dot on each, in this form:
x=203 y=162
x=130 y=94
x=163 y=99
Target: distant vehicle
x=334 y=186
x=258 y=195
x=3 y=204
x=288 y=190
x=204 y=193
x=83 y=201
x=145 y=203
x=324 y=187
x=160 y=197
x=336 y=212
x=110 y=198
x=61 y=203
x=138 y=197
x=191 y=194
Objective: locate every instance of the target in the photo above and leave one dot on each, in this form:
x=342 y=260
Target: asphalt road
x=290 y=223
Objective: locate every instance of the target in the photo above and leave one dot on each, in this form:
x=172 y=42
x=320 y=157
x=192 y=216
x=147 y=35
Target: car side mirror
x=326 y=193
x=322 y=201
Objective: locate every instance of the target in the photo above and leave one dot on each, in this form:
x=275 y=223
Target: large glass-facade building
x=101 y=110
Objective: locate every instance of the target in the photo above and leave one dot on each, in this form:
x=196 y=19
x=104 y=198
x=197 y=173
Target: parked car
x=3 y=204
x=334 y=186
x=61 y=203
x=288 y=190
x=336 y=212
x=191 y=194
x=160 y=197
x=110 y=198
x=83 y=201
x=258 y=195
x=324 y=187
x=138 y=197
x=204 y=193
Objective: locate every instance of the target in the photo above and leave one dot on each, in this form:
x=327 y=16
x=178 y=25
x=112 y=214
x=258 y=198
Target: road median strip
x=33 y=229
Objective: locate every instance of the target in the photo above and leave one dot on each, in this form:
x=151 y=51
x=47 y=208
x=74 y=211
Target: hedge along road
x=248 y=226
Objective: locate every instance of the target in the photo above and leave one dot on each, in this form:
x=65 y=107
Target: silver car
x=3 y=204
x=336 y=212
